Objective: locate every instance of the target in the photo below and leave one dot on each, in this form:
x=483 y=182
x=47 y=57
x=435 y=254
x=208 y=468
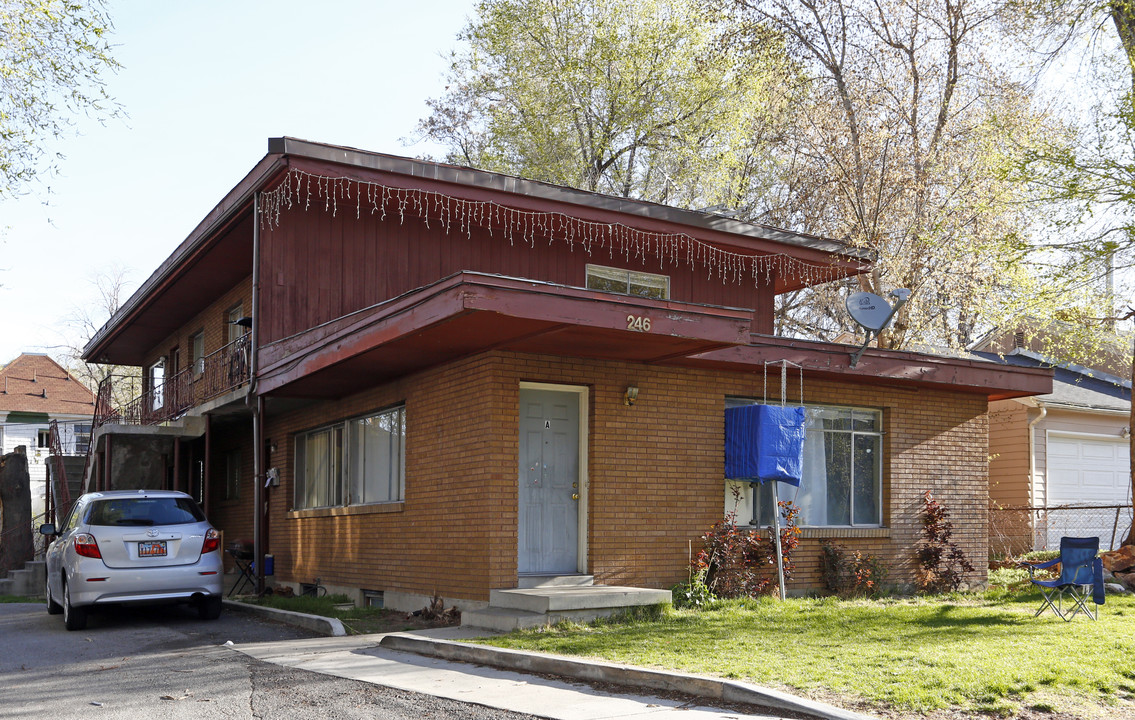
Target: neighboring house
x=34 y=390
x=458 y=381
x=1058 y=454
x=1100 y=349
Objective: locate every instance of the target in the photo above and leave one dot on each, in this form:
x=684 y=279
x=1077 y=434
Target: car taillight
x=86 y=546
x=212 y=541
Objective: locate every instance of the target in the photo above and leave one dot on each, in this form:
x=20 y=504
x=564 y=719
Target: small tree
x=941 y=563
x=742 y=563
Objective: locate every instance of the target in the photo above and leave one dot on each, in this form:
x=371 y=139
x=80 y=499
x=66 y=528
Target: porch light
x=630 y=395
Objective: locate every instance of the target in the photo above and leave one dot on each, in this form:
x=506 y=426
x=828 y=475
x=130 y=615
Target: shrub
x=693 y=593
x=941 y=563
x=742 y=563
x=850 y=574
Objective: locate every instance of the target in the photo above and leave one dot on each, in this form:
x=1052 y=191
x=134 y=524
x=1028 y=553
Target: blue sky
x=205 y=84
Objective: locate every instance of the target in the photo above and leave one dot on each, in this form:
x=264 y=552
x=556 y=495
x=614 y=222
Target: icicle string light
x=299 y=188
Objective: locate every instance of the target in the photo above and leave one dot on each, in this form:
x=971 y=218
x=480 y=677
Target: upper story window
x=357 y=462
x=235 y=331
x=628 y=282
x=843 y=472
x=156 y=379
x=197 y=352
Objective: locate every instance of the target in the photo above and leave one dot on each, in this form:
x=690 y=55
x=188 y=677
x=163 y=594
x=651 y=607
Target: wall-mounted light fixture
x=630 y=395
x=1125 y=432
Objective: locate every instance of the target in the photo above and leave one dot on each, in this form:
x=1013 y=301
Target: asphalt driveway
x=135 y=663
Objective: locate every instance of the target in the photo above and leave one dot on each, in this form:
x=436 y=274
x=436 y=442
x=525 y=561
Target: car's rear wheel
x=209 y=608
x=74 y=618
x=53 y=608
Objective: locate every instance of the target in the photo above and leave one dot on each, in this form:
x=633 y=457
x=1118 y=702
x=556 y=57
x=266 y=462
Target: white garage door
x=1088 y=471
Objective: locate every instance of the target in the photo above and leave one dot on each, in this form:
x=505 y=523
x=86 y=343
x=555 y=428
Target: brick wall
x=655 y=476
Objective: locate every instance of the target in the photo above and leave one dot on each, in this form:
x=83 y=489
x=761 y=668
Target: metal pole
x=257 y=403
x=776 y=535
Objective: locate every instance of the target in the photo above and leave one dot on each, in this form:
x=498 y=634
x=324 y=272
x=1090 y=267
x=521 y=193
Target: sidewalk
x=431 y=669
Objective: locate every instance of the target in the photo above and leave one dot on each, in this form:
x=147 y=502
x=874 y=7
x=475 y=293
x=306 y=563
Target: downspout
x=1032 y=461
x=254 y=400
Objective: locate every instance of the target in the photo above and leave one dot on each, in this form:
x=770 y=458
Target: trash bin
x=269 y=565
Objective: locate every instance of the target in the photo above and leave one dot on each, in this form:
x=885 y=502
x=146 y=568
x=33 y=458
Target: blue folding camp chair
x=1080 y=570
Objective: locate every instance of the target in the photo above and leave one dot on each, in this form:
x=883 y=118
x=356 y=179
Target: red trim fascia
x=883 y=367
x=306 y=353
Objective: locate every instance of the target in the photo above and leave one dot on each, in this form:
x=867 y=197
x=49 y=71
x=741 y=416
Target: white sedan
x=133 y=547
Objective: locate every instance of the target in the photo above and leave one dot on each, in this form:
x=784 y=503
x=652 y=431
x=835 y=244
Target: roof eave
x=235 y=201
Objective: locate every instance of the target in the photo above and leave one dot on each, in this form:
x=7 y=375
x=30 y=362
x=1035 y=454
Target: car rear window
x=144 y=512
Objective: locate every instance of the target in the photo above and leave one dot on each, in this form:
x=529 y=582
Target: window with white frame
x=234 y=330
x=157 y=383
x=628 y=282
x=357 y=462
x=197 y=353
x=82 y=438
x=843 y=472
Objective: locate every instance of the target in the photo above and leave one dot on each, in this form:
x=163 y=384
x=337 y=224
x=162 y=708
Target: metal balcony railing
x=211 y=376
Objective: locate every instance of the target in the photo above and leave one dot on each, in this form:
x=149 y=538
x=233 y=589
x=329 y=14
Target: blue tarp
x=764 y=442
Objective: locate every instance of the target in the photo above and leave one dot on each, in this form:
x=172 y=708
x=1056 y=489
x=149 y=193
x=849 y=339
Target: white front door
x=550 y=482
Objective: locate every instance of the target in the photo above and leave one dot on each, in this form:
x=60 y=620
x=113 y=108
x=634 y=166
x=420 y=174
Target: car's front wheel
x=74 y=618
x=209 y=608
x=53 y=608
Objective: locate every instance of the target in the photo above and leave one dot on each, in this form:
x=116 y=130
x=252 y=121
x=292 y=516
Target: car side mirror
x=47 y=529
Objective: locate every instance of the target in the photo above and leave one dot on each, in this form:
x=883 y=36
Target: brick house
x=457 y=382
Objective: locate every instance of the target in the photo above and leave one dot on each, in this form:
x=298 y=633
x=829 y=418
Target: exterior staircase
x=27 y=582
x=547 y=600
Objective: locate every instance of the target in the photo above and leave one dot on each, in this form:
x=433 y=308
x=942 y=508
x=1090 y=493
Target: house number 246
x=638 y=323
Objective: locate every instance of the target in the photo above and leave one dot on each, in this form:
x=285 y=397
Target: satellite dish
x=873 y=313
x=869 y=310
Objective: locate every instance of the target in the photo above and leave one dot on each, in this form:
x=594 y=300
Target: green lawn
x=976 y=653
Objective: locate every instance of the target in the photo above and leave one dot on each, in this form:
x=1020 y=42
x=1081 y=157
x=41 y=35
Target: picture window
x=842 y=469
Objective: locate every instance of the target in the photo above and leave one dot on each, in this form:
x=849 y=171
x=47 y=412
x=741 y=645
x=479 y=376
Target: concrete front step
x=536 y=607
x=27 y=582
x=565 y=599
x=525 y=582
x=505 y=620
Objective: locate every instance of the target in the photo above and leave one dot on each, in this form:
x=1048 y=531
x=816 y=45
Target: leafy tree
x=635 y=98
x=893 y=148
x=54 y=58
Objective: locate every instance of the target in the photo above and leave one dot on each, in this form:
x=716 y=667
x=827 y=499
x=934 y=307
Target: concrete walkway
x=374 y=659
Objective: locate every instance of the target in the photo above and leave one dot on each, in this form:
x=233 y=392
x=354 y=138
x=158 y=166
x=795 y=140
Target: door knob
x=575 y=496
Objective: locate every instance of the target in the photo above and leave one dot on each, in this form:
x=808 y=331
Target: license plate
x=152 y=548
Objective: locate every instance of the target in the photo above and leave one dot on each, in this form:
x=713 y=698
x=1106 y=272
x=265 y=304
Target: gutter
x=1032 y=454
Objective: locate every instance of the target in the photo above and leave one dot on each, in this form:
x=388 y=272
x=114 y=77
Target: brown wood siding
x=318 y=267
x=1009 y=453
x=655 y=477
